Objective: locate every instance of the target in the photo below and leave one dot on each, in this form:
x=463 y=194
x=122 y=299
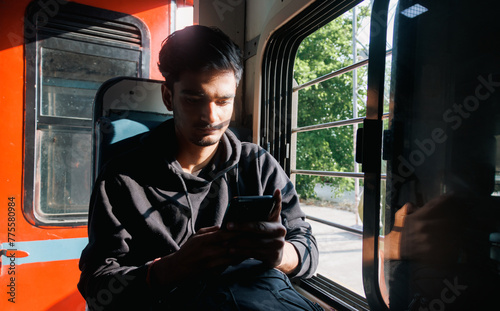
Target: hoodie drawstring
x=188 y=201
x=227 y=180
x=237 y=186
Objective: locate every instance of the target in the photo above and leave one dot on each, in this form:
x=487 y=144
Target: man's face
x=202 y=103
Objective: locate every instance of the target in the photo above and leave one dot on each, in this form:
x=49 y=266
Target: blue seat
x=124 y=107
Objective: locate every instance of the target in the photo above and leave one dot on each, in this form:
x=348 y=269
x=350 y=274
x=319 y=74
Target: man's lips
x=207 y=128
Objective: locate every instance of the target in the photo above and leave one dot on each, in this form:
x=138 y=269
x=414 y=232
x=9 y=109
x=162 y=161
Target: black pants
x=248 y=286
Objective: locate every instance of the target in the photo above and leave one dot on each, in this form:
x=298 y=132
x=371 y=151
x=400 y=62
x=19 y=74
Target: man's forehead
x=205 y=76
x=202 y=93
x=198 y=83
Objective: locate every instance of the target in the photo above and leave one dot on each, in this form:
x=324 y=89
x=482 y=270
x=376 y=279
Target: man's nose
x=209 y=112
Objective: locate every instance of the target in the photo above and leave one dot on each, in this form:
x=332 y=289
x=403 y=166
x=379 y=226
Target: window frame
x=277 y=121
x=107 y=33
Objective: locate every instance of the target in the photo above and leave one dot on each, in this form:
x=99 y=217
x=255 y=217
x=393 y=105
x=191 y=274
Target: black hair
x=198 y=48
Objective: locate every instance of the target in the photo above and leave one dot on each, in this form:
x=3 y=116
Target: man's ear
x=166 y=95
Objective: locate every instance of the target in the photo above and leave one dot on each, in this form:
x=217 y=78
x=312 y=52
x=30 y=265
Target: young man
x=155 y=240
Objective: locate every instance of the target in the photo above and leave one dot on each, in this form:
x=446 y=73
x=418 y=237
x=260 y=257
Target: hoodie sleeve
x=299 y=232
x=105 y=283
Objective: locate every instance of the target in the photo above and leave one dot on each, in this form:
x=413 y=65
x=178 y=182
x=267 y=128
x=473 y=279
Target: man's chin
x=207 y=141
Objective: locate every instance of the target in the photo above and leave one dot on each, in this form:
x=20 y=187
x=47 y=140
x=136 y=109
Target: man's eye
x=193 y=100
x=224 y=102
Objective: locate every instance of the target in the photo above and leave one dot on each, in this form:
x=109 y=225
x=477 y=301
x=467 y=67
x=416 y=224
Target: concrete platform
x=340 y=251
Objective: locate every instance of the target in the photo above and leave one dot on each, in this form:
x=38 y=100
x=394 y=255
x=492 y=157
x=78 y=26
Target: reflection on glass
x=442 y=213
x=69 y=81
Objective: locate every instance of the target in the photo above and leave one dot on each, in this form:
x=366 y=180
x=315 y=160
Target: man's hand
x=211 y=250
x=206 y=252
x=265 y=241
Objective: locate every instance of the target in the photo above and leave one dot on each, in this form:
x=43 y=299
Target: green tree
x=327 y=50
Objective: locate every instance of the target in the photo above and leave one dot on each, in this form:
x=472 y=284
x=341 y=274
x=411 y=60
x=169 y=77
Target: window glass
x=332 y=197
x=497 y=167
x=71 y=102
x=330 y=100
x=65 y=66
x=70 y=80
x=63 y=170
x=69 y=84
x=442 y=219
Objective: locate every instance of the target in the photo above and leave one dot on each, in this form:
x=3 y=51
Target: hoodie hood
x=199 y=190
x=225 y=159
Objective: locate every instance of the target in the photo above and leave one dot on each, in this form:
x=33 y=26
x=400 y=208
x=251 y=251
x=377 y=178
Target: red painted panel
x=49 y=285
x=43 y=286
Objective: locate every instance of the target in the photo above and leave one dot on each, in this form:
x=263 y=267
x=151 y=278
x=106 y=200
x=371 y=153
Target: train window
x=331 y=72
x=68 y=58
x=310 y=122
x=429 y=128
x=61 y=97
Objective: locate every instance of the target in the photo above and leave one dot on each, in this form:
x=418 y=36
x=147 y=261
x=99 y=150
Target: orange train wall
x=47 y=278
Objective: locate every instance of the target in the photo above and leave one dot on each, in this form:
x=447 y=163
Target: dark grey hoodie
x=144 y=206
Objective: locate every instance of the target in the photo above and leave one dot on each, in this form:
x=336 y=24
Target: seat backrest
x=124 y=107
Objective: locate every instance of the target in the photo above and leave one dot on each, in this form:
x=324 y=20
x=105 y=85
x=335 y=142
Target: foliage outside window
x=327 y=50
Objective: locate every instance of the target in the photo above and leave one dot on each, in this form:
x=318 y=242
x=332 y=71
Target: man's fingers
x=261 y=245
x=275 y=215
x=262 y=228
x=208 y=230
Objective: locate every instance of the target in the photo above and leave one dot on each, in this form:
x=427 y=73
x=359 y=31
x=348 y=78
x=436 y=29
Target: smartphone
x=249 y=209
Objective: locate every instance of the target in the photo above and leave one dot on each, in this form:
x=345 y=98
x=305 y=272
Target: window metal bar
x=334 y=224
x=336 y=295
x=372 y=146
x=333 y=124
x=328 y=173
x=78 y=84
x=335 y=73
x=333 y=174
x=328 y=125
x=65 y=121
